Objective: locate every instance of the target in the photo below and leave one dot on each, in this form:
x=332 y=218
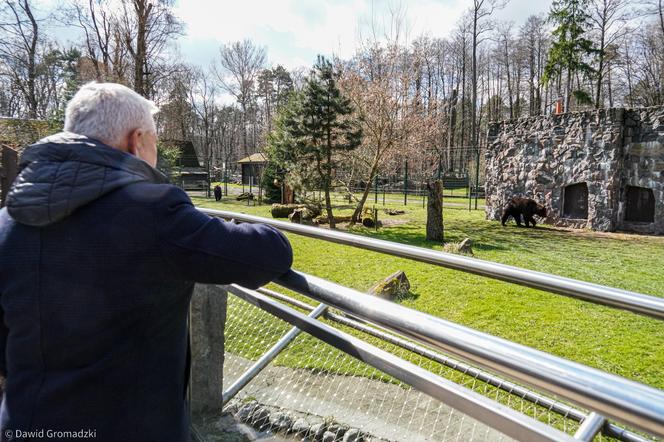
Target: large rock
x=301 y=215
x=466 y=247
x=393 y=287
x=352 y=435
x=280 y=421
x=283 y=210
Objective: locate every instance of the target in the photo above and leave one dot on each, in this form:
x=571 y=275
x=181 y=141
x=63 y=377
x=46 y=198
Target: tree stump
x=435 y=230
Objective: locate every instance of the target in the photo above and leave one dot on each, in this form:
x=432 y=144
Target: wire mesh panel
x=313 y=390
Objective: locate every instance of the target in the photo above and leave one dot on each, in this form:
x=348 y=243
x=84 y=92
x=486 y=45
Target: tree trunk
x=142 y=13
x=451 y=130
x=328 y=181
x=357 y=214
x=435 y=230
x=600 y=73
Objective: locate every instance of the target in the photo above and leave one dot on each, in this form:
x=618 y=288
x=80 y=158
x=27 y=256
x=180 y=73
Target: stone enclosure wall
x=602 y=170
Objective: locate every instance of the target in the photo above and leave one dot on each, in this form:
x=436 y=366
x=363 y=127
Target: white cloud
x=296 y=30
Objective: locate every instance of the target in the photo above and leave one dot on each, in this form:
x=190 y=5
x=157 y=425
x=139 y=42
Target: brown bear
x=527 y=207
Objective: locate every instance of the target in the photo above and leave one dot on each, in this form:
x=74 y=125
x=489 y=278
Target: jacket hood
x=63 y=172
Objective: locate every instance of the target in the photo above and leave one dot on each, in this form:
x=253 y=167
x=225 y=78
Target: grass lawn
x=616 y=341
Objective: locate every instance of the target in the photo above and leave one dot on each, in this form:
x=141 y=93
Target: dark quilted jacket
x=98 y=259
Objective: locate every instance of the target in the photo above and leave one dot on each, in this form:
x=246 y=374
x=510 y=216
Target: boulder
x=338 y=430
x=284 y=210
x=260 y=418
x=300 y=427
x=393 y=287
x=280 y=421
x=352 y=435
x=466 y=246
x=328 y=436
x=460 y=248
x=316 y=431
x=245 y=411
x=301 y=215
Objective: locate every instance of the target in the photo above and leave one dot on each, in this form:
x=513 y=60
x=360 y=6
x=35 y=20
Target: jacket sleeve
x=209 y=250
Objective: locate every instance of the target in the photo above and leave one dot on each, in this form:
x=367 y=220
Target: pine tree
x=570 y=50
x=313 y=129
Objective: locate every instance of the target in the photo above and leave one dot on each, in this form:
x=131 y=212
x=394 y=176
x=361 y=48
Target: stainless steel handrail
x=612 y=396
x=623 y=299
x=485 y=410
x=555 y=406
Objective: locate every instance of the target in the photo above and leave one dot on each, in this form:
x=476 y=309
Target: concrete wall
x=208 y=318
x=607 y=149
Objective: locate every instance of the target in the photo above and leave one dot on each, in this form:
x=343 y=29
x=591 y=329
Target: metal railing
x=604 y=395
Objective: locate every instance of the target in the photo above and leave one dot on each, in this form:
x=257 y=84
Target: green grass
x=616 y=341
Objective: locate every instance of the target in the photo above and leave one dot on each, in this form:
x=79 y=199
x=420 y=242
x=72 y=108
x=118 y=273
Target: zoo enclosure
x=588 y=397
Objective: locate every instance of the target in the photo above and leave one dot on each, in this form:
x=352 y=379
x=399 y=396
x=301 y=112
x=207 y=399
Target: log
x=435 y=230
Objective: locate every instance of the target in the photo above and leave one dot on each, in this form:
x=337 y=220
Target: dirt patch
x=621 y=236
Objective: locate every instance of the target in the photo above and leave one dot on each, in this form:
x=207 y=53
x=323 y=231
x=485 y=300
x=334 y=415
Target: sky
x=295 y=31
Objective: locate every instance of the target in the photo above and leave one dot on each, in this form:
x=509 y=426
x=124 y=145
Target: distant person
x=98 y=260
x=217 y=192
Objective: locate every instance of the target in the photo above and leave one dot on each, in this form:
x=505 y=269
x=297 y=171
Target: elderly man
x=98 y=260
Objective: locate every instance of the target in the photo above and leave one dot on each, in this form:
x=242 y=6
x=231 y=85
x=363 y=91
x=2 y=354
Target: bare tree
x=480 y=11
x=239 y=66
x=147 y=26
x=19 y=50
x=609 y=18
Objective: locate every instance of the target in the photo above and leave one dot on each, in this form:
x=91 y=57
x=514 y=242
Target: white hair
x=108 y=112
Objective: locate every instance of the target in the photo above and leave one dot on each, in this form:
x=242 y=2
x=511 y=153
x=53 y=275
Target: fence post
x=405 y=184
x=226 y=178
x=376 y=189
x=477 y=177
x=470 y=193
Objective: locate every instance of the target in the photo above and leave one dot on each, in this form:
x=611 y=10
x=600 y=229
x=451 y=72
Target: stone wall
x=607 y=150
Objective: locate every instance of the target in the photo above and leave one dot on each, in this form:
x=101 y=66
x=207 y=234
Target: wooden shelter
x=252 y=168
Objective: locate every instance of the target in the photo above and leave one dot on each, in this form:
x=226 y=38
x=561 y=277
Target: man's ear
x=133 y=142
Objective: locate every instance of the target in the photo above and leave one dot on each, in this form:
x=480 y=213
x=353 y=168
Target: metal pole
x=636 y=302
x=405 y=184
x=272 y=353
x=376 y=189
x=477 y=177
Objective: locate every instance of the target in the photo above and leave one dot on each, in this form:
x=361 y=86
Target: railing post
x=208 y=318
x=590 y=426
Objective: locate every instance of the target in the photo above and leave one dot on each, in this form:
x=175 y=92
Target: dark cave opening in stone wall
x=640 y=205
x=575 y=201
